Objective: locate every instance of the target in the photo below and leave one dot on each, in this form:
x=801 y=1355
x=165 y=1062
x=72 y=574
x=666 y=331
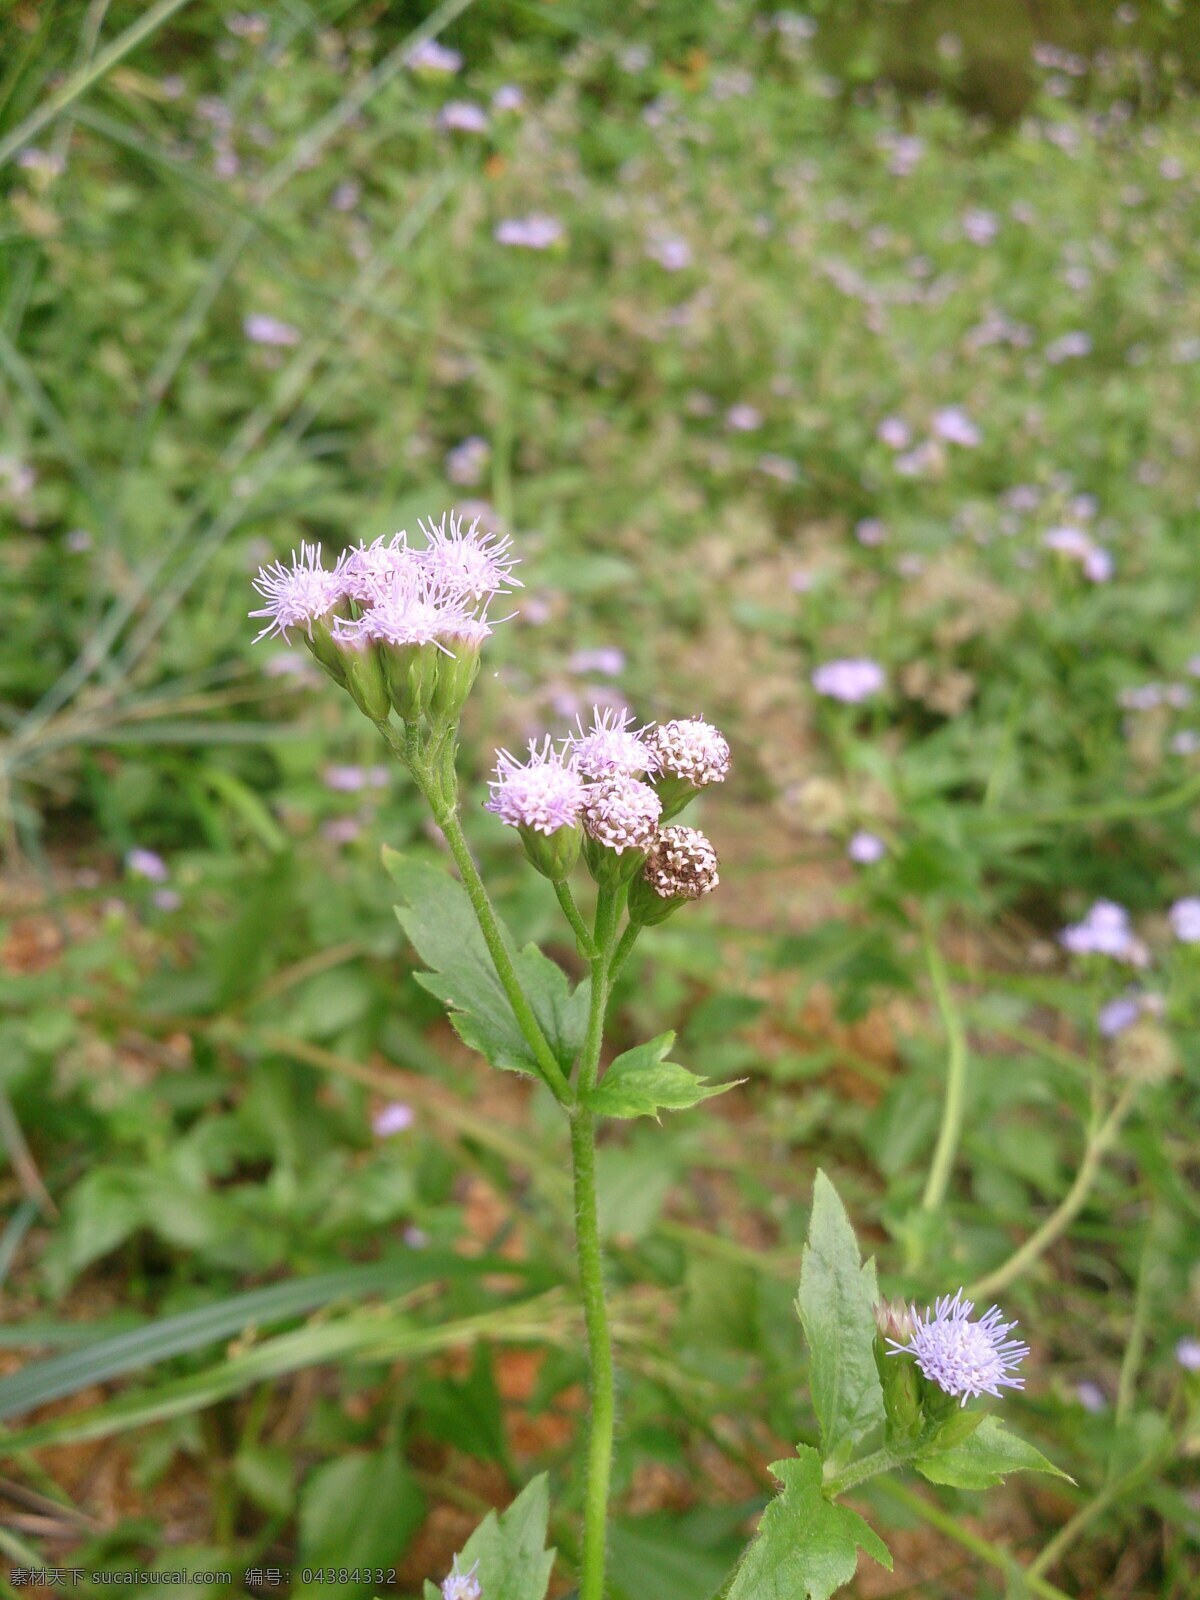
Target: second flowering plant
x=400 y=626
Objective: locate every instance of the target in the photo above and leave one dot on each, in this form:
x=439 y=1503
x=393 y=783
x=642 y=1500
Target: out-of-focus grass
x=812 y=372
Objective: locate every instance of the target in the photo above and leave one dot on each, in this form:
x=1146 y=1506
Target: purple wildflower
x=1105 y=931
x=393 y=1118
x=866 y=848
x=465 y=464
x=691 y=749
x=681 y=864
x=1068 y=347
x=1118 y=1015
x=463 y=116
x=147 y=864
x=462 y=1585
x=167 y=899
x=508 y=98
x=1098 y=565
x=1187 y=1353
x=611 y=746
x=672 y=252
x=344 y=779
x=743 y=418
x=871 y=532
x=607 y=660
x=261 y=329
x=298 y=595
x=347 y=195
x=468 y=563
x=430 y=56
x=954 y=425
x=1091 y=1396
x=368 y=569
x=621 y=813
x=851 y=681
x=544 y=793
x=962 y=1357
x=341 y=830
x=980 y=226
x=1185 y=920
x=537 y=231
x=413 y=609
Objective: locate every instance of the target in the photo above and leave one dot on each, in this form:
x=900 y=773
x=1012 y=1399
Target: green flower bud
x=553 y=854
x=411 y=673
x=362 y=674
x=456 y=674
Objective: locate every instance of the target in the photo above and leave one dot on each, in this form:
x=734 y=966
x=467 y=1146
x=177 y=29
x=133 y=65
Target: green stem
x=621 y=955
x=447 y=820
x=1073 y=1201
x=583 y=937
x=866 y=1467
x=436 y=779
x=956 y=1078
x=591 y=1266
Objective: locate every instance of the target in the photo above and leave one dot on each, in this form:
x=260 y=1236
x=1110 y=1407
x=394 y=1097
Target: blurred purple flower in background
x=1105 y=931
x=261 y=329
x=537 y=231
x=1185 y=920
x=851 y=680
x=866 y=848
x=954 y=425
x=147 y=864
x=393 y=1118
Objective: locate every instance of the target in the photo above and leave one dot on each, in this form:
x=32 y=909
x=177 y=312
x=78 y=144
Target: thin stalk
x=579 y=927
x=1072 y=1203
x=447 y=820
x=956 y=1079
x=864 y=1468
x=621 y=955
x=602 y=1386
x=1112 y=1494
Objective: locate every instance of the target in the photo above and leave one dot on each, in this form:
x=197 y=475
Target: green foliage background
x=894 y=213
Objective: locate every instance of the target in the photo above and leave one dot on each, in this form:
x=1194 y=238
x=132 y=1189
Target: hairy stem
x=865 y=1467
x=1072 y=1203
x=956 y=1079
x=621 y=954
x=436 y=779
x=591 y=1266
x=579 y=927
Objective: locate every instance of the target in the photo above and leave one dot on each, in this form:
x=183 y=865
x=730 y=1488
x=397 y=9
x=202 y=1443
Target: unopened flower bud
x=363 y=675
x=689 y=755
x=457 y=670
x=620 y=820
x=680 y=865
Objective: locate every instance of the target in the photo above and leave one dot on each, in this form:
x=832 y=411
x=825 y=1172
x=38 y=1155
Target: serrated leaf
x=641 y=1084
x=438 y=919
x=836 y=1306
x=514 y=1563
x=806 y=1546
x=984 y=1459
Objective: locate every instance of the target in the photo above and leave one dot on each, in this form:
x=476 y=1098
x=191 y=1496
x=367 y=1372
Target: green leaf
x=438 y=919
x=514 y=1563
x=358 y=1511
x=836 y=1306
x=805 y=1547
x=641 y=1084
x=984 y=1459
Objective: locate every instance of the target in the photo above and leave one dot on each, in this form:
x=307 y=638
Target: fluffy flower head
x=368 y=569
x=851 y=680
x=964 y=1358
x=469 y=563
x=691 y=749
x=544 y=793
x=611 y=746
x=412 y=610
x=621 y=813
x=297 y=595
x=462 y=1585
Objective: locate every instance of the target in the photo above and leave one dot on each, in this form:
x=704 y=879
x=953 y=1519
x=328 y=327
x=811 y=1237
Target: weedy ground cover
x=858 y=424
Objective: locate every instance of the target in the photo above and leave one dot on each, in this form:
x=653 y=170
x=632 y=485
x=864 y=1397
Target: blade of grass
x=370 y=1336
x=87 y=77
x=191 y=1330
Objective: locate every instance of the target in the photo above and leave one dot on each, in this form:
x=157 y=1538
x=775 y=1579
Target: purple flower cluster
x=1185 y=920
x=461 y=1585
x=851 y=681
x=964 y=1358
x=1097 y=563
x=606 y=777
x=1105 y=931
x=391 y=591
